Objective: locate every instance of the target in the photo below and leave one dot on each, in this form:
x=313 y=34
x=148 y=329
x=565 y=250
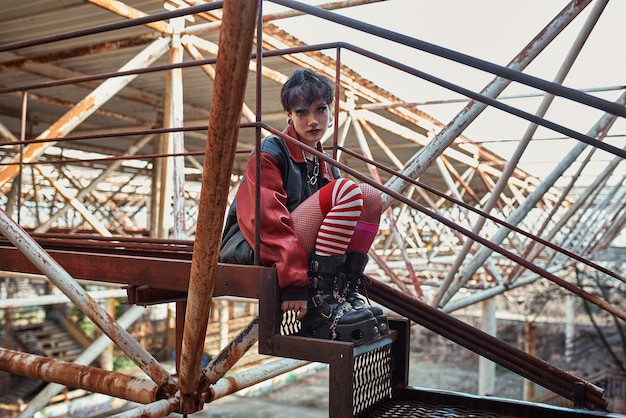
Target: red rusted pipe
x=232 y=68
x=74 y=375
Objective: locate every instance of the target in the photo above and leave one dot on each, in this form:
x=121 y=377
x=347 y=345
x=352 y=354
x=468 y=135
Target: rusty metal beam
x=98 y=315
x=326 y=6
x=46 y=172
x=86 y=358
x=122 y=9
x=481 y=255
x=84 y=108
x=153 y=101
x=228 y=356
x=365 y=149
x=160 y=274
x=78 y=376
x=574 y=213
x=258 y=374
x=174 y=118
x=239 y=18
x=114 y=45
x=512 y=163
x=162 y=408
x=192 y=43
x=40 y=98
x=448 y=134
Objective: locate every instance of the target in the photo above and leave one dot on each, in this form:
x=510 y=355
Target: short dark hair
x=306 y=85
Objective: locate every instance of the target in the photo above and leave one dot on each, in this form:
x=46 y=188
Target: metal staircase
x=371 y=380
x=47 y=339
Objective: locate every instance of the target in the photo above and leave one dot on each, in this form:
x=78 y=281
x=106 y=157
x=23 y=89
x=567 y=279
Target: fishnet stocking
x=372 y=204
x=308 y=216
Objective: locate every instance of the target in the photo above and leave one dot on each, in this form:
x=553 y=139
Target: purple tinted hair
x=305 y=85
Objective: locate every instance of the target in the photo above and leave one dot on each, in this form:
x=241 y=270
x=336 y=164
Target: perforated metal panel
x=372 y=379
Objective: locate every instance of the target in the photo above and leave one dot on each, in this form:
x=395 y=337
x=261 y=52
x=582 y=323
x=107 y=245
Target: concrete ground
x=306 y=397
x=245 y=407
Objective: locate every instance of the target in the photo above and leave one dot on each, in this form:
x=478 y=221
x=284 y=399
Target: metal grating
x=415 y=409
x=372 y=379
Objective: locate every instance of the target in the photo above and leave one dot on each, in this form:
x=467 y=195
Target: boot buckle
x=326 y=313
x=318 y=300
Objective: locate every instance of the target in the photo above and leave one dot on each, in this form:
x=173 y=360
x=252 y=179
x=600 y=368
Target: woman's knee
x=372 y=203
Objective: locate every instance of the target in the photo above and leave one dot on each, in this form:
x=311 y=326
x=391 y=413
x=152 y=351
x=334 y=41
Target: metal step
x=415 y=409
x=417 y=402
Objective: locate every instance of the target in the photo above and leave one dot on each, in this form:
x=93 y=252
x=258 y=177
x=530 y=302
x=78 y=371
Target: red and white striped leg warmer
x=342 y=202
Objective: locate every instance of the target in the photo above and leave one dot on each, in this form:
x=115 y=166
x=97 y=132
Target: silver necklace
x=312 y=172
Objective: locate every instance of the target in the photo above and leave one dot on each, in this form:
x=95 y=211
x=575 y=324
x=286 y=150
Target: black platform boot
x=357 y=281
x=329 y=315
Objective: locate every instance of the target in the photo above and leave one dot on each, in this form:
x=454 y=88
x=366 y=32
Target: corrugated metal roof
x=140 y=104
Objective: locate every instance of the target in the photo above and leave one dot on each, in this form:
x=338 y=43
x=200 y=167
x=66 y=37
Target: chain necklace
x=312 y=171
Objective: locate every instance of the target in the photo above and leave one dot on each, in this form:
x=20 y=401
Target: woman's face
x=310 y=122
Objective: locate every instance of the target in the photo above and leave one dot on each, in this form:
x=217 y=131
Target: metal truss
x=123 y=152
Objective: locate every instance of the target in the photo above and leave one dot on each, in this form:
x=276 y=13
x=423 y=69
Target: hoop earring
x=289 y=121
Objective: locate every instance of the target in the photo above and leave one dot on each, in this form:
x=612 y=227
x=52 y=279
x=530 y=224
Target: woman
x=316 y=227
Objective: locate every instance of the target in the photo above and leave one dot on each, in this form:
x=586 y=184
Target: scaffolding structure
x=126 y=133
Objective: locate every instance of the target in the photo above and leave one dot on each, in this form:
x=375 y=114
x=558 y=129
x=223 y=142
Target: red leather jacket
x=282 y=189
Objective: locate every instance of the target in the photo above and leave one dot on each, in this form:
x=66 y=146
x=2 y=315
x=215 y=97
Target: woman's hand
x=298 y=306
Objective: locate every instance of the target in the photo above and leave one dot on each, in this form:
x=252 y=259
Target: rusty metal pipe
x=161 y=408
x=232 y=67
x=86 y=358
x=253 y=376
x=230 y=355
x=79 y=376
x=98 y=315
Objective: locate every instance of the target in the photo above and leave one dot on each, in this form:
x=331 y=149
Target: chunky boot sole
x=357 y=333
x=383 y=323
x=381 y=319
x=377 y=313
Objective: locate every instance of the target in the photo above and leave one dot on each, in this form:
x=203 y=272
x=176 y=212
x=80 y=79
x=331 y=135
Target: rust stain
x=79 y=376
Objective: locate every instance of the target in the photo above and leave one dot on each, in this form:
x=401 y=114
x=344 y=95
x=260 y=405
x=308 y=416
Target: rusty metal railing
x=163 y=393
